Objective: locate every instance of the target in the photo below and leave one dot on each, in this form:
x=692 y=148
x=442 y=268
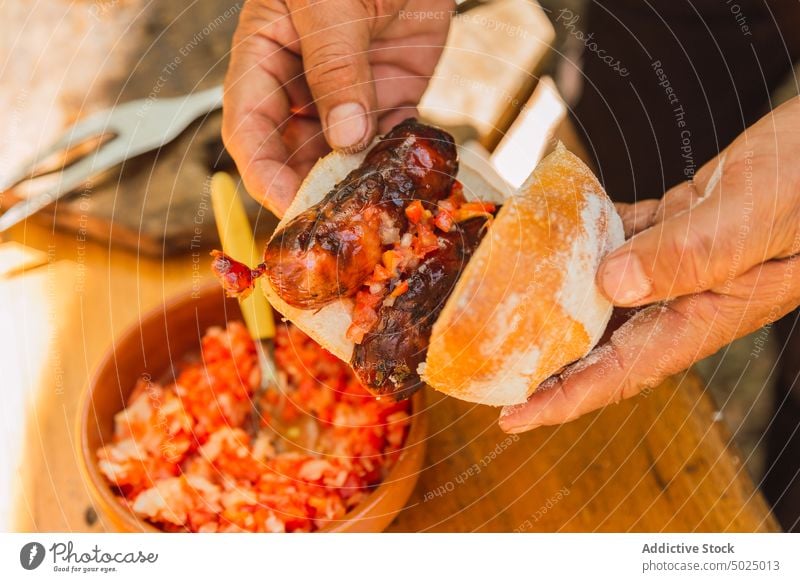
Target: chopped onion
x=389 y=233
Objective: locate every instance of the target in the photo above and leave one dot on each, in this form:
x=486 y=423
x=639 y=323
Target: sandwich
x=418 y=269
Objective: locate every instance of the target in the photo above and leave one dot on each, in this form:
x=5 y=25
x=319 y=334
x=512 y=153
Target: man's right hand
x=308 y=76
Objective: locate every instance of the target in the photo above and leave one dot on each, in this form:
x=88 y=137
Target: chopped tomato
x=427 y=240
x=405 y=254
x=415 y=212
x=365 y=315
x=444 y=221
x=399 y=289
x=381 y=274
x=457 y=191
x=391 y=260
x=448 y=204
x=170 y=470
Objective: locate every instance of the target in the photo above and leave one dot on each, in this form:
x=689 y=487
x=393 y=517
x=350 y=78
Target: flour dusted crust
x=527 y=303
x=328 y=325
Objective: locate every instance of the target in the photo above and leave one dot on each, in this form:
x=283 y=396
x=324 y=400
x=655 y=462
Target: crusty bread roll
x=526 y=304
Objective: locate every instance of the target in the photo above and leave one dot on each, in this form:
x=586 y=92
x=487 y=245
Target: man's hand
x=305 y=76
x=716 y=259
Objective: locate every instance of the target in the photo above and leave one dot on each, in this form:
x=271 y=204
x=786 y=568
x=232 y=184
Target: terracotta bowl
x=161 y=338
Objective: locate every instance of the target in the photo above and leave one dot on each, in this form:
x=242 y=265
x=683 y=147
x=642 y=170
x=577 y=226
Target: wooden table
x=660 y=462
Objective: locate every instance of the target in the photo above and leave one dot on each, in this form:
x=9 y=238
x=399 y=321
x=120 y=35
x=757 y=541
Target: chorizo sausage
x=386 y=360
x=327 y=251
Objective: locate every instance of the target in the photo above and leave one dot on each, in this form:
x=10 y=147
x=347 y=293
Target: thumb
x=334 y=41
x=697 y=248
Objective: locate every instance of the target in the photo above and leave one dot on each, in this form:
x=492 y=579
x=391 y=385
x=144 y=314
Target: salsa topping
x=389 y=279
x=181 y=459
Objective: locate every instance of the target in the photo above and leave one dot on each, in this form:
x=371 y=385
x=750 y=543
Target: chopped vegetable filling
x=181 y=459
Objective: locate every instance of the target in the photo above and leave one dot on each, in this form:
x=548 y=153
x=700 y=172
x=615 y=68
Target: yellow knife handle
x=237 y=242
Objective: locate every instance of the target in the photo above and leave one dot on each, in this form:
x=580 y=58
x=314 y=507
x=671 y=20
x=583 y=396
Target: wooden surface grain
x=659 y=462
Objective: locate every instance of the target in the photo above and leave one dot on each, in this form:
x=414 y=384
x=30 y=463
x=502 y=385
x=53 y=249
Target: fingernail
x=510 y=427
x=346 y=125
x=624 y=280
x=512 y=419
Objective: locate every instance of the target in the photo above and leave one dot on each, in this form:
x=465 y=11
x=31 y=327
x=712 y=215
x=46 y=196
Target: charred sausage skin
x=326 y=252
x=386 y=360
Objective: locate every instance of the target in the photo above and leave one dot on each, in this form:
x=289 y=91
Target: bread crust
x=527 y=303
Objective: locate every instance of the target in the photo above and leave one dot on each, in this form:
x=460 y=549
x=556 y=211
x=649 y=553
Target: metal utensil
x=237 y=242
x=130 y=129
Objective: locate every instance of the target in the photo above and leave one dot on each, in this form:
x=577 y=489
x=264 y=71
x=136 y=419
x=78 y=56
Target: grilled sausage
x=329 y=250
x=386 y=360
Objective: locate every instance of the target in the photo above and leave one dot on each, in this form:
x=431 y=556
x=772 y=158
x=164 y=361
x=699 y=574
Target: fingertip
x=522 y=417
x=272 y=187
x=514 y=425
x=516 y=429
x=348 y=127
x=623 y=280
x=505 y=425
